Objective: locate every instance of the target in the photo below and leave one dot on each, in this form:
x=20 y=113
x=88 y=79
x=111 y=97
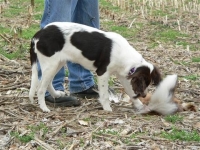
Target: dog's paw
x=59 y=94
x=107 y=107
x=144 y=110
x=31 y=99
x=137 y=104
x=45 y=109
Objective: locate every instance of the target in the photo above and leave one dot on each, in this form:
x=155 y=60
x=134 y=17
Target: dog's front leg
x=137 y=104
x=103 y=92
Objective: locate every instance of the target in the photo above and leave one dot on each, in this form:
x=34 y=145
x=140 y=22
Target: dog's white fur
x=123 y=58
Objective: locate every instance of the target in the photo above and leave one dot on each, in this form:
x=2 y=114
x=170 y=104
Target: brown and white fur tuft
x=163 y=101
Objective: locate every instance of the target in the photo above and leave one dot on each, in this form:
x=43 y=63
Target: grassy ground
x=171 y=27
x=166 y=33
x=19 y=22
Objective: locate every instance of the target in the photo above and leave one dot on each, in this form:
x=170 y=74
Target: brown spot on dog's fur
x=145 y=100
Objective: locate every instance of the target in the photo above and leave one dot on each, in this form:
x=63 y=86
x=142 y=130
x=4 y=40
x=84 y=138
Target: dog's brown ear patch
x=140 y=80
x=156 y=76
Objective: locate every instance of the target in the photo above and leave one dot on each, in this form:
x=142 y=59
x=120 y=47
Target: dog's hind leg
x=103 y=92
x=48 y=72
x=55 y=93
x=34 y=82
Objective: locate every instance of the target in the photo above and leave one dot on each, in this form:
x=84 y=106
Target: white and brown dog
x=104 y=52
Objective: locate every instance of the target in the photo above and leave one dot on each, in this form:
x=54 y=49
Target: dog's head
x=141 y=79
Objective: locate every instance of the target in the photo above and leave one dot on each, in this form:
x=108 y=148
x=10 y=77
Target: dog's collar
x=131 y=71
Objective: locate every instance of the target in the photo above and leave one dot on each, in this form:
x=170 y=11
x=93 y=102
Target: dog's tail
x=162 y=99
x=34 y=76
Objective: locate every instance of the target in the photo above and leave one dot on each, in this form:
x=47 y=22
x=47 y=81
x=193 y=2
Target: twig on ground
x=15 y=86
x=2 y=102
x=106 y=138
x=4 y=124
x=74 y=144
x=14 y=97
x=7 y=40
x=132 y=23
x=43 y=144
x=151 y=138
x=52 y=134
x=11 y=114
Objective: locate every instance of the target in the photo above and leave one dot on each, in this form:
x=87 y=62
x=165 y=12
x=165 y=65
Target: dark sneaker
x=66 y=101
x=92 y=92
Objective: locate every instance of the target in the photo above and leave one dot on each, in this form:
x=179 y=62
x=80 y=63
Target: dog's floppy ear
x=140 y=80
x=156 y=76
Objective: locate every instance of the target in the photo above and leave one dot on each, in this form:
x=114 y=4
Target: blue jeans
x=79 y=11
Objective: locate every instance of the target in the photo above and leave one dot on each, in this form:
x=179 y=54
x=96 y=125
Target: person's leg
x=81 y=80
x=57 y=11
x=87 y=13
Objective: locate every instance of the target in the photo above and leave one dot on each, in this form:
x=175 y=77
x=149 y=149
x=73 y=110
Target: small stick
x=11 y=114
x=59 y=128
x=178 y=22
x=73 y=145
x=14 y=87
x=5 y=38
x=131 y=23
x=110 y=139
x=43 y=144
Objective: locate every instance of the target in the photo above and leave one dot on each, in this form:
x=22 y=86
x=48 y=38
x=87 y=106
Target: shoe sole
x=64 y=104
x=85 y=96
